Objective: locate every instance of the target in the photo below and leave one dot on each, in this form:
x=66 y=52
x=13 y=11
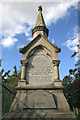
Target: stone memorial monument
x=40 y=91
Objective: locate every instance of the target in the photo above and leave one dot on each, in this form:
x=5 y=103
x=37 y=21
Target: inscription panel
x=40 y=99
x=39 y=69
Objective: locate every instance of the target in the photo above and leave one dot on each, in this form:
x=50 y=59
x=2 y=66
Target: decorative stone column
x=57 y=81
x=23 y=72
x=56 y=70
x=22 y=82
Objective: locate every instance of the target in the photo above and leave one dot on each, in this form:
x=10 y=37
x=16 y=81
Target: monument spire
x=40 y=27
x=40 y=19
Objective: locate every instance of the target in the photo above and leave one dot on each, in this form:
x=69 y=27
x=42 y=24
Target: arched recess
x=39 y=68
x=32 y=52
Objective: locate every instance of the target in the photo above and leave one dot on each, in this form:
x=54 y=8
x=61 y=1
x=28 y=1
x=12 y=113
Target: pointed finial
x=39 y=8
x=40 y=27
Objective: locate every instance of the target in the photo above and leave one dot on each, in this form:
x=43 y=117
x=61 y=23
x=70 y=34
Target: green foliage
x=71 y=85
x=76 y=52
x=1 y=72
x=0 y=62
x=15 y=71
x=9 y=83
x=78 y=116
x=12 y=80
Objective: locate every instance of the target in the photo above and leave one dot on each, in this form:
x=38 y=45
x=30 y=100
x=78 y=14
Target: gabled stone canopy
x=40 y=40
x=40 y=34
x=25 y=48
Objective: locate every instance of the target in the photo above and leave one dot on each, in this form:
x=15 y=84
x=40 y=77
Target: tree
x=72 y=85
x=3 y=75
x=0 y=62
x=15 y=71
x=67 y=80
x=10 y=81
x=76 y=52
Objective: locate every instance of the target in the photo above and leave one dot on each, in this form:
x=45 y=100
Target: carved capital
x=24 y=62
x=56 y=62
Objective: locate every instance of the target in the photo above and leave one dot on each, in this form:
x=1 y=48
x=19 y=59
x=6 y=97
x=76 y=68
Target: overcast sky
x=17 y=20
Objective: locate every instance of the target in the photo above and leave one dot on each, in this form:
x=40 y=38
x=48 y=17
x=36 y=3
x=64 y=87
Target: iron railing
x=7 y=99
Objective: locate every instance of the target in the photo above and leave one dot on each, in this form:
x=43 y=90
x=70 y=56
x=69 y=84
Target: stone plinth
x=42 y=114
x=38 y=103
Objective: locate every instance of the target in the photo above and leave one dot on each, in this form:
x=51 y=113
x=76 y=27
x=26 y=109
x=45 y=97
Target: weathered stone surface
x=24 y=114
x=27 y=98
x=39 y=69
x=40 y=99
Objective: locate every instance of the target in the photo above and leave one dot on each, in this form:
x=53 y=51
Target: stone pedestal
x=41 y=114
x=39 y=103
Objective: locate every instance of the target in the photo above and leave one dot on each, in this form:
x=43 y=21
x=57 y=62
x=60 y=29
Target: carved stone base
x=41 y=114
x=39 y=104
